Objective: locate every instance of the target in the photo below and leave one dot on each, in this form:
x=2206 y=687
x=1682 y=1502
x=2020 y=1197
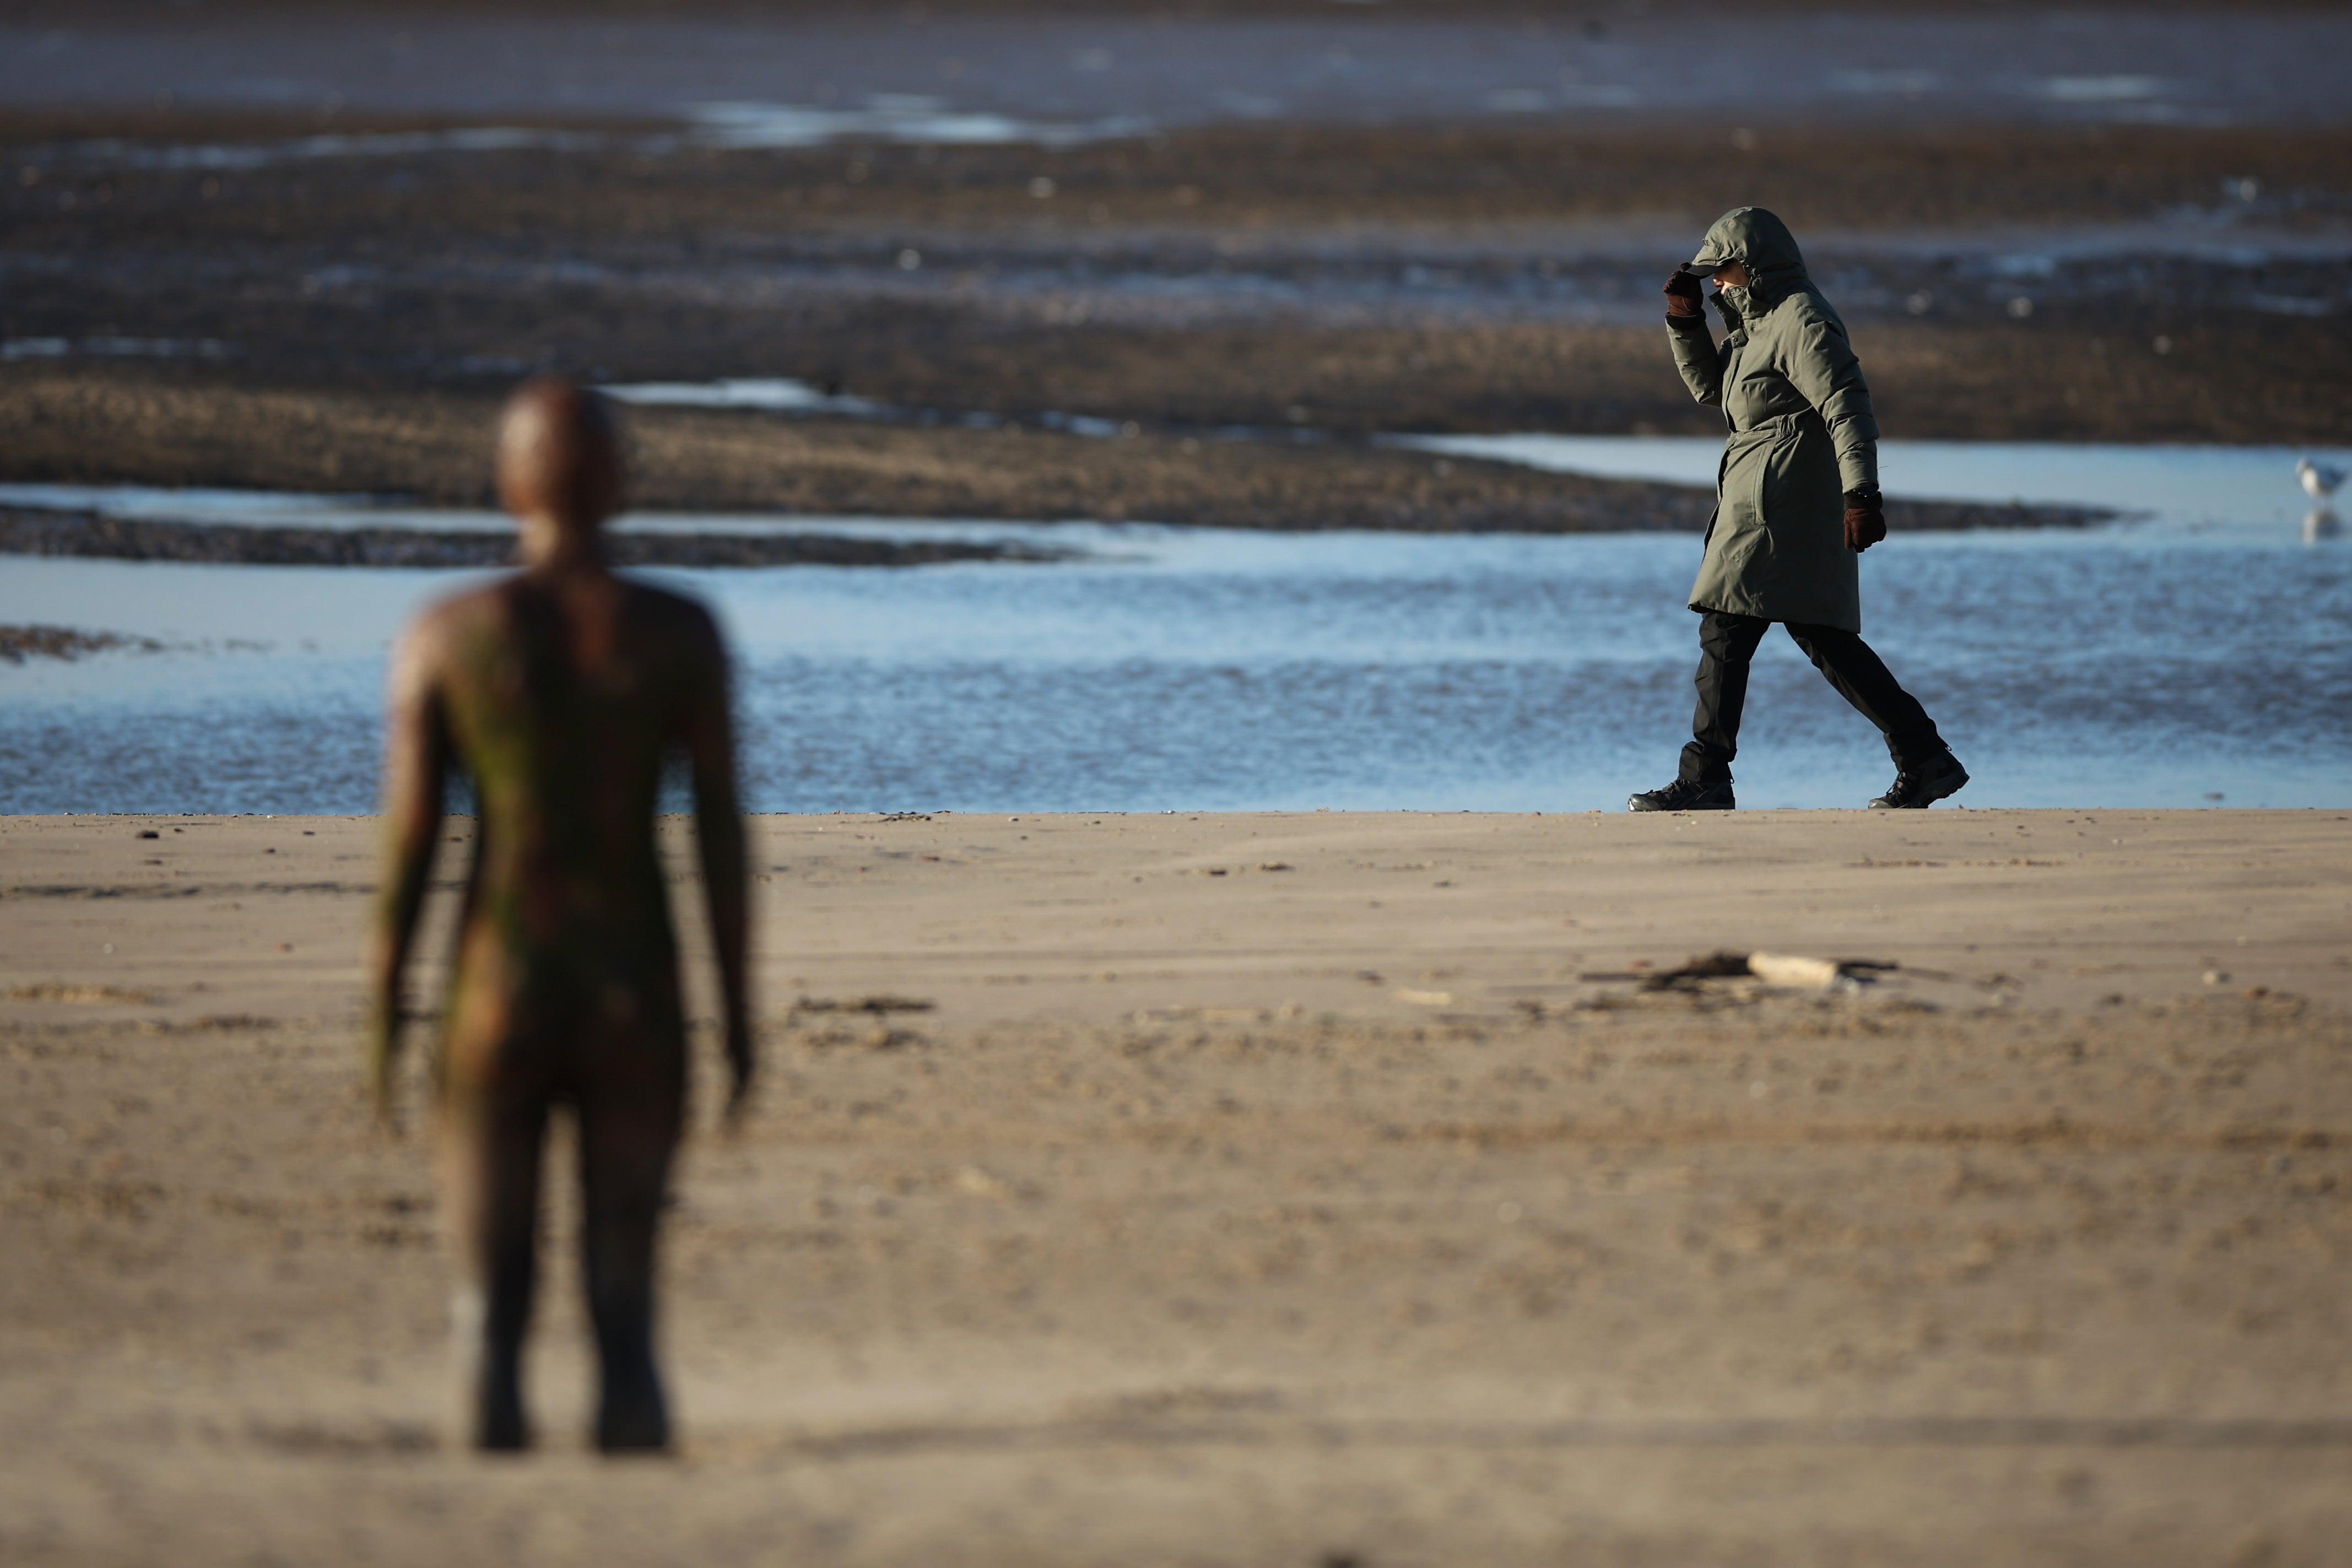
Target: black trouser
x=1725 y=645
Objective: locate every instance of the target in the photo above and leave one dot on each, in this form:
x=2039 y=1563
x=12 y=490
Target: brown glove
x=1865 y=519
x=1683 y=303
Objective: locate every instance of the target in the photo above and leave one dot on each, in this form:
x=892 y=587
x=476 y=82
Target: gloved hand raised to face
x=1865 y=519
x=1682 y=300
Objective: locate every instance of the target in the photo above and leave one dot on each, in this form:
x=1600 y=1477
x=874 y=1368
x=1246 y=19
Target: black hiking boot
x=1916 y=789
x=1683 y=795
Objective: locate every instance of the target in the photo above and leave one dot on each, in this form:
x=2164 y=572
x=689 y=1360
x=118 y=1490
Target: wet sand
x=348 y=322
x=1334 y=222
x=436 y=447
x=1268 y=1189
x=95 y=535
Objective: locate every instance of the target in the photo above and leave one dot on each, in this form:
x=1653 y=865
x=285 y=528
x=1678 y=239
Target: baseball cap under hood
x=1753 y=236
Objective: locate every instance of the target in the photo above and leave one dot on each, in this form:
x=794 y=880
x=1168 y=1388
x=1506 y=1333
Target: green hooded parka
x=1802 y=433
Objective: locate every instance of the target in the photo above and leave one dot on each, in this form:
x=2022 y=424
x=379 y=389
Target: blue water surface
x=2199 y=655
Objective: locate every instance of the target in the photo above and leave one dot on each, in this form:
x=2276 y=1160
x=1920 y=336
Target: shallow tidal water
x=2202 y=653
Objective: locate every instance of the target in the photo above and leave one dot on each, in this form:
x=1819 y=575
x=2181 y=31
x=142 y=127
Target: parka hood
x=1761 y=240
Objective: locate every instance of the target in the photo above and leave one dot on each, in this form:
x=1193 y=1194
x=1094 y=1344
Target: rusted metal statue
x=560 y=691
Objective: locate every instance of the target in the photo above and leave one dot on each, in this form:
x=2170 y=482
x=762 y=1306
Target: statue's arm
x=719 y=836
x=417 y=766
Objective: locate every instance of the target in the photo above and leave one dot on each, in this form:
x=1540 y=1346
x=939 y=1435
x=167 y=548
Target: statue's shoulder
x=666 y=624
x=453 y=615
x=667 y=610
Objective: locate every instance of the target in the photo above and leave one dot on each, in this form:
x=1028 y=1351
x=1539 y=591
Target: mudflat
x=1306 y=1188
x=203 y=297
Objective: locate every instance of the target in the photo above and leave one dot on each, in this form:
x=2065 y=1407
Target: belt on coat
x=1756 y=434
x=1777 y=425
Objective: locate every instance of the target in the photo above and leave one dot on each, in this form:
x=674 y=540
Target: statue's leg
x=629 y=1125
x=491 y=1147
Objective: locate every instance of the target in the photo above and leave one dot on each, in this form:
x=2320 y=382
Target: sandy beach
x=1321 y=1189
x=1286 y=1189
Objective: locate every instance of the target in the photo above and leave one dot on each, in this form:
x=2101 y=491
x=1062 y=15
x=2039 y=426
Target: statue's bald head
x=559 y=455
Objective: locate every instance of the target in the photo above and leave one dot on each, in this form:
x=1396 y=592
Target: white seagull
x=2318 y=481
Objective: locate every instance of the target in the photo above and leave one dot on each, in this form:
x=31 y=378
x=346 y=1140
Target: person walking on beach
x=559 y=691
x=1796 y=504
